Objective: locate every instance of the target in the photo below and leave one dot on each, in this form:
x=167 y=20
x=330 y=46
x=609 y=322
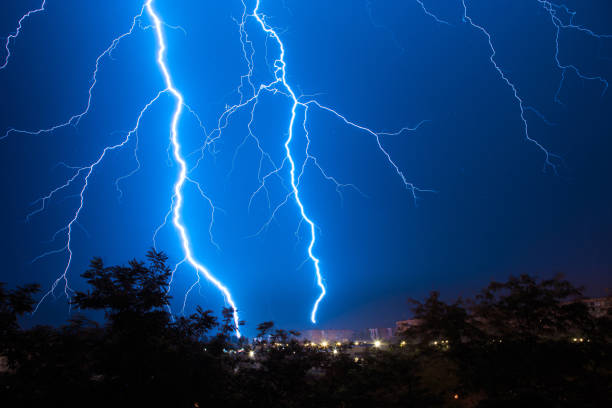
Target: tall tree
x=438 y=321
x=524 y=308
x=126 y=292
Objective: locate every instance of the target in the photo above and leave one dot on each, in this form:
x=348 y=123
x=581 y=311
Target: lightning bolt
x=281 y=75
x=12 y=37
x=289 y=170
x=178 y=186
x=84 y=173
x=250 y=91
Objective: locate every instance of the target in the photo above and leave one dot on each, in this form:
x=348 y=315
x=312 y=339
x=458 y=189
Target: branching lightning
x=83 y=173
x=76 y=118
x=555 y=11
x=289 y=170
x=13 y=36
x=547 y=155
x=299 y=105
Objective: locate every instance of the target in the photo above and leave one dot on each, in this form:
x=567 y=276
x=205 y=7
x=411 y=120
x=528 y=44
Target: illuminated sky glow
x=289 y=132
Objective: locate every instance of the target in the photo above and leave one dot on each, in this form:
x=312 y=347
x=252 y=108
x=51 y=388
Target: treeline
x=519 y=343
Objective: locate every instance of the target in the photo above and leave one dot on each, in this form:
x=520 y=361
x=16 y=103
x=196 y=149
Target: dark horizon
x=499 y=205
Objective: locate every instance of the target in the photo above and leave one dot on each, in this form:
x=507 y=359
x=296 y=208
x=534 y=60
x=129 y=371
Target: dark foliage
x=519 y=343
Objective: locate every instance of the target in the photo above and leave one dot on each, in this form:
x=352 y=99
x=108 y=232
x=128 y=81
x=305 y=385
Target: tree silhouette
x=439 y=322
x=15 y=303
x=524 y=309
x=263 y=328
x=511 y=346
x=126 y=291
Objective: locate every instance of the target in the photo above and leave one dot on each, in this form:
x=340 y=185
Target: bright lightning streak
x=13 y=36
x=178 y=187
x=281 y=75
x=281 y=86
x=249 y=92
x=86 y=172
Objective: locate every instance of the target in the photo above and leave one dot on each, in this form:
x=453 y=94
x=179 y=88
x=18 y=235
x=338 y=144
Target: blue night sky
x=498 y=208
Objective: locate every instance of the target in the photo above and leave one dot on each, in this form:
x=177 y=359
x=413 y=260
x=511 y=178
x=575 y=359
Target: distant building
x=318 y=336
x=345 y=336
x=385 y=333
